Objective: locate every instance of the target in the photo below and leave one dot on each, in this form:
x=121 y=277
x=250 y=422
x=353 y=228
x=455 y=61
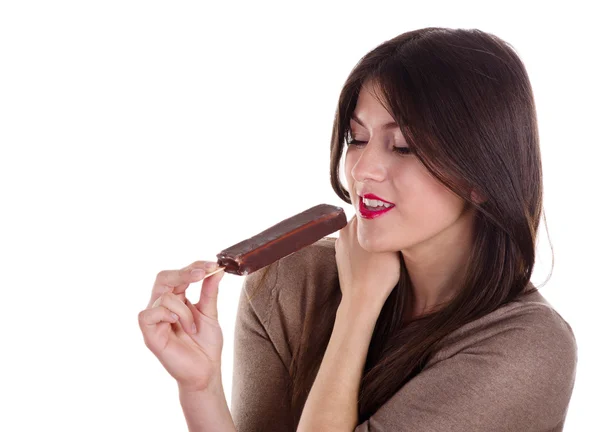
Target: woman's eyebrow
x=390 y=125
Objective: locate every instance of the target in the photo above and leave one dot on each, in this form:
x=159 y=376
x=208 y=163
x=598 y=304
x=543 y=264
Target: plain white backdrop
x=138 y=136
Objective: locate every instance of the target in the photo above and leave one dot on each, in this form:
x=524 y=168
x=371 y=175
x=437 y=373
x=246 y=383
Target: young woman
x=421 y=316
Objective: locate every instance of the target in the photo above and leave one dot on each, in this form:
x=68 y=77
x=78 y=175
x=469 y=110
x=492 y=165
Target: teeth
x=375 y=203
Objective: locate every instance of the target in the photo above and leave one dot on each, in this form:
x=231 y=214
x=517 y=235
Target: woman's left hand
x=366 y=278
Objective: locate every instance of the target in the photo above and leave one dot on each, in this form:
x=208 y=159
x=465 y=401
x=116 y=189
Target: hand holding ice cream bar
x=281 y=240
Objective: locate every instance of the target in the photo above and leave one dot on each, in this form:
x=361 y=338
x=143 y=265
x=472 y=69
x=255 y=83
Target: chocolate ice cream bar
x=282 y=239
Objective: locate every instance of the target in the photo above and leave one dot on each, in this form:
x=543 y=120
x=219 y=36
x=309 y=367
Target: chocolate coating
x=282 y=239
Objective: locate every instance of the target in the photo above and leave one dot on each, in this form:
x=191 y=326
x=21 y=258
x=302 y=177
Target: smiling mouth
x=370 y=212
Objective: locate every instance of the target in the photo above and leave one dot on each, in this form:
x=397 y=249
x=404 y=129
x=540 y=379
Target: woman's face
x=423 y=212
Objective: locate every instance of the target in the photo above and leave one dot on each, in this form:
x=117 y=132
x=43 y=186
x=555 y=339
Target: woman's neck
x=437 y=266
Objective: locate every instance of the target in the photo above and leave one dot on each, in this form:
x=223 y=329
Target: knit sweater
x=511 y=370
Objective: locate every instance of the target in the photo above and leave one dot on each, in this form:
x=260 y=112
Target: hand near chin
x=366 y=278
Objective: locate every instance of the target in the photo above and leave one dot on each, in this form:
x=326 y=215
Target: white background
x=138 y=136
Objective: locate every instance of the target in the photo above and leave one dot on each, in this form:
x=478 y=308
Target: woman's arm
x=518 y=375
x=206 y=411
x=332 y=403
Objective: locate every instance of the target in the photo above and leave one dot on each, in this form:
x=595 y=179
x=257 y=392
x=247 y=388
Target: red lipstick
x=370 y=214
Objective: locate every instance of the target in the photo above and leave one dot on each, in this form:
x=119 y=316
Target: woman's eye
x=352 y=141
x=403 y=150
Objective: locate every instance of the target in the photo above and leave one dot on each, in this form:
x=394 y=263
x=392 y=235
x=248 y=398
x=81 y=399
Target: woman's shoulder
x=297 y=274
x=285 y=294
x=528 y=332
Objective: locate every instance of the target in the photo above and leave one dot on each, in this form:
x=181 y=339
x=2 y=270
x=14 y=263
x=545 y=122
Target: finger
x=207 y=304
x=169 y=280
x=177 y=281
x=171 y=302
x=155 y=315
x=196 y=272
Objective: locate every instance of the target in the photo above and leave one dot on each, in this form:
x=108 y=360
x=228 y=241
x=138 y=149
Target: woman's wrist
x=214 y=386
x=206 y=410
x=354 y=308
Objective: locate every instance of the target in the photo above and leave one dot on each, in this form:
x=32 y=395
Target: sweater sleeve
x=518 y=377
x=259 y=401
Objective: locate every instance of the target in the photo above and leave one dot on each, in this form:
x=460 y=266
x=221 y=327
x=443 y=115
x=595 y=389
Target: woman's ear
x=477 y=197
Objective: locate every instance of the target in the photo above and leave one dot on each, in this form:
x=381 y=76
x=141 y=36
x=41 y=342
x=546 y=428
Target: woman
x=421 y=316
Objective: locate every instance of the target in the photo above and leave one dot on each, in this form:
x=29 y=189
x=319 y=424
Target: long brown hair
x=464 y=103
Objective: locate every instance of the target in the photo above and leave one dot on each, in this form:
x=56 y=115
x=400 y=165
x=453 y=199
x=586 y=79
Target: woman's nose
x=370 y=165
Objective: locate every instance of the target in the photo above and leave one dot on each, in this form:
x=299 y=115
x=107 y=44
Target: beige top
x=511 y=370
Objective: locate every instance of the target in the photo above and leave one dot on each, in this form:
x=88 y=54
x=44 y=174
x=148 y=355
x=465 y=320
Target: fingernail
x=210 y=265
x=193 y=328
x=197 y=273
x=174 y=315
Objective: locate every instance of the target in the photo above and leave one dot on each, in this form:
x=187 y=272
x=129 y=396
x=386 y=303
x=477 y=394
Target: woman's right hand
x=185 y=337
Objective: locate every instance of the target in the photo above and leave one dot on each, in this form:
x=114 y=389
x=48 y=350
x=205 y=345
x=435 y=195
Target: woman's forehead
x=370 y=110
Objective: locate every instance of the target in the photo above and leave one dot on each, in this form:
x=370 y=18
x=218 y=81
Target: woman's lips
x=374 y=197
x=370 y=214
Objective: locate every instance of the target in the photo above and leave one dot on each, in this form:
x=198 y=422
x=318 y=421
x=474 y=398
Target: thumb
x=207 y=304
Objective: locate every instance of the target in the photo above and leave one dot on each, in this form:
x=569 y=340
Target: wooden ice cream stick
x=220 y=269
